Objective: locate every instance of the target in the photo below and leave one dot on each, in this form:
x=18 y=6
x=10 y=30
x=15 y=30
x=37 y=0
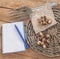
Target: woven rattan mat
x=54 y=46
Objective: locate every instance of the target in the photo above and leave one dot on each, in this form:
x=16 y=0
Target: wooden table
x=4 y=18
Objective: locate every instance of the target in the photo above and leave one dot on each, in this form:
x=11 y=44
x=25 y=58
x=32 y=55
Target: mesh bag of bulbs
x=42 y=18
x=44 y=37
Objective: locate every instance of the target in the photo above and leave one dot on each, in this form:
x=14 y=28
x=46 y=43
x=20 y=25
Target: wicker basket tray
x=54 y=46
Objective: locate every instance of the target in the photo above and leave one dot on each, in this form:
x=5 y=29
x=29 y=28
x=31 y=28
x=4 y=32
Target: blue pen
x=25 y=43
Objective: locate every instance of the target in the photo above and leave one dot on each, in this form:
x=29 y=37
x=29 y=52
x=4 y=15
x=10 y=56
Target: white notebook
x=11 y=42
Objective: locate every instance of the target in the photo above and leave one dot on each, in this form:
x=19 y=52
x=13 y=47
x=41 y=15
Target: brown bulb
x=43 y=39
x=41 y=34
x=44 y=23
x=40 y=22
x=48 y=41
x=39 y=42
x=47 y=36
x=49 y=21
x=45 y=18
x=42 y=43
x=44 y=46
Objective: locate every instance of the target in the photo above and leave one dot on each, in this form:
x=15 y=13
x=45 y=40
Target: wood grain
x=4 y=18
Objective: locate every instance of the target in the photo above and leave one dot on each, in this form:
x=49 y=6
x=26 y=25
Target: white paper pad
x=11 y=42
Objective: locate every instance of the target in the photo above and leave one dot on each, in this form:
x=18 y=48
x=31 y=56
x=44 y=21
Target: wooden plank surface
x=4 y=18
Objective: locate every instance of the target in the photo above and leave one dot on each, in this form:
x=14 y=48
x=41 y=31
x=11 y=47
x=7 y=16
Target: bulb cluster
x=44 y=21
x=43 y=39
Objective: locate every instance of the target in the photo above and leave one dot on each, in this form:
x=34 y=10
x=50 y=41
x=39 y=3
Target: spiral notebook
x=11 y=42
